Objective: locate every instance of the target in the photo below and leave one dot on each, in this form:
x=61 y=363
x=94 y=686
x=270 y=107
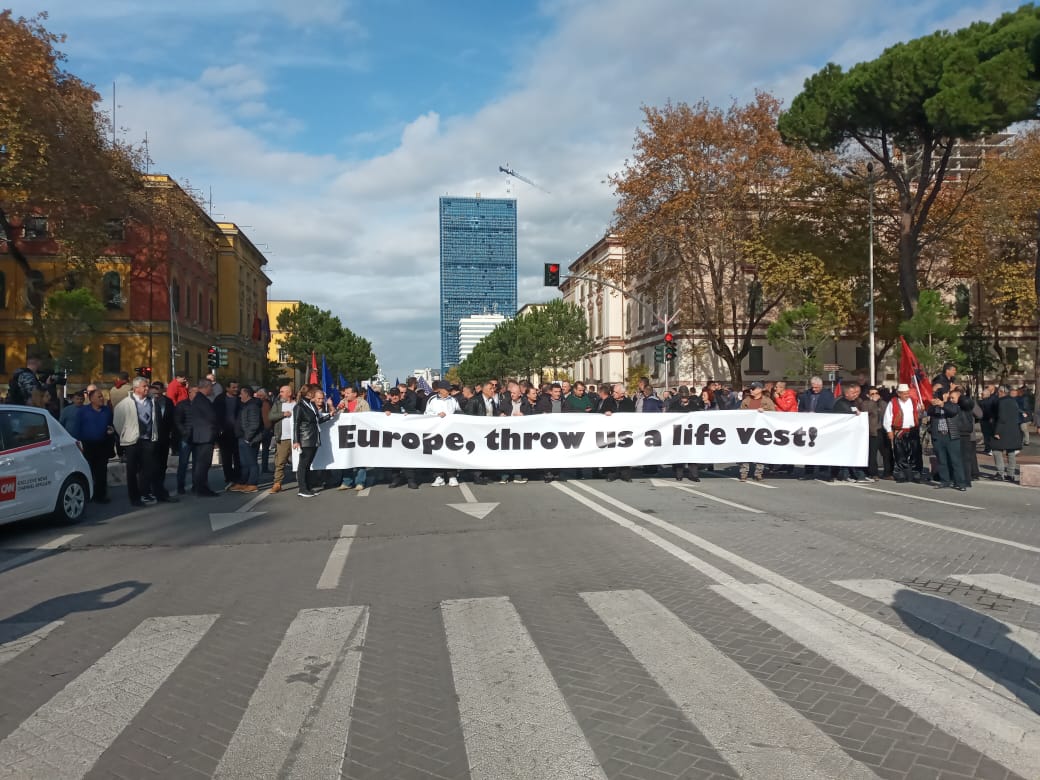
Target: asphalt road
x=652 y=629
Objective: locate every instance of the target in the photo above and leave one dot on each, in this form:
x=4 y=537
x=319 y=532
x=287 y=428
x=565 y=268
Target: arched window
x=112 y=290
x=3 y=291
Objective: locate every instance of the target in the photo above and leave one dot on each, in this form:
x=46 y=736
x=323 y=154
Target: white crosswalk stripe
x=515 y=719
x=757 y=733
x=66 y=736
x=1001 y=583
x=298 y=719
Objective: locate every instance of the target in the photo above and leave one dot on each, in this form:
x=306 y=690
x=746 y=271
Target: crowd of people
x=143 y=422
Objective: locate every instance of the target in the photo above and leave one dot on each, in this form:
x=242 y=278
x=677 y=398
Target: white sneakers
x=452 y=482
x=439 y=482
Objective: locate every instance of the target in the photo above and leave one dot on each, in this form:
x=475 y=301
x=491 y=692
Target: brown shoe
x=249 y=489
x=237 y=488
x=276 y=487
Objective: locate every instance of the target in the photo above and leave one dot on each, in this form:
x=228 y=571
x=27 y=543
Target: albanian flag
x=313 y=378
x=911 y=373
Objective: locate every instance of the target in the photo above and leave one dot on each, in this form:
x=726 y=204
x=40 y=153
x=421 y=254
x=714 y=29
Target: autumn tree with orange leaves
x=55 y=160
x=702 y=205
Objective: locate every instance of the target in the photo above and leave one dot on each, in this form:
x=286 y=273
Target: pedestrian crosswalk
x=517 y=720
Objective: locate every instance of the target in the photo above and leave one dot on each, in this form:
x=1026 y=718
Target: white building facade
x=474 y=328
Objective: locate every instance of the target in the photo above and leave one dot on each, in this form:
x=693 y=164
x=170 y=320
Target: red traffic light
x=554 y=268
x=668 y=337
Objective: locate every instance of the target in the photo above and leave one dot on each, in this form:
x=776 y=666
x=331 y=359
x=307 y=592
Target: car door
x=25 y=488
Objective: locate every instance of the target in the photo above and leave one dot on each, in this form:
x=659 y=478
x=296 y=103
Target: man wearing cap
x=442 y=405
x=901 y=424
x=757 y=400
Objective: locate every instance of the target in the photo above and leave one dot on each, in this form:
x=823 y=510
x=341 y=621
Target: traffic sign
x=832 y=366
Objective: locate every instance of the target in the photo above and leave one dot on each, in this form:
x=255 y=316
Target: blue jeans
x=247 y=462
x=182 y=463
x=355 y=477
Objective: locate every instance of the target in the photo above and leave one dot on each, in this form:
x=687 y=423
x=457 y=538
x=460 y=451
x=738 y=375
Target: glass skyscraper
x=478 y=265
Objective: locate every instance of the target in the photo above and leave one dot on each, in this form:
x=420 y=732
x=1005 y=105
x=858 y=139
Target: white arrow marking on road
x=221 y=520
x=472 y=507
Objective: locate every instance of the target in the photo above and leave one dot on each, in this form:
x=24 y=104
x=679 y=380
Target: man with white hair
x=135 y=421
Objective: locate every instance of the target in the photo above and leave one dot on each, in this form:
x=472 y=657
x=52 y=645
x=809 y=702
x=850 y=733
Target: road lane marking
x=254 y=501
x=298 y=718
x=472 y=507
x=86 y=716
x=330 y=576
x=16 y=638
x=963 y=532
x=1017 y=643
x=1001 y=583
x=1001 y=729
x=860 y=627
x=708 y=496
x=753 y=730
x=753 y=482
x=39 y=552
x=917 y=498
x=364 y=492
x=515 y=721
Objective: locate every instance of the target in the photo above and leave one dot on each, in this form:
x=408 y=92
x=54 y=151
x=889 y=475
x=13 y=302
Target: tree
x=933 y=333
x=801 y=332
x=548 y=337
x=56 y=161
x=309 y=329
x=699 y=208
x=907 y=109
x=69 y=319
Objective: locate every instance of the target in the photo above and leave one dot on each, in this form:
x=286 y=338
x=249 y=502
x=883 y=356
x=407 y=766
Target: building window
x=112 y=290
x=33 y=282
x=34 y=228
x=863 y=359
x=115 y=230
x=111 y=358
x=755 y=361
x=1011 y=358
x=283 y=356
x=3 y=291
x=962 y=301
x=198 y=310
x=198 y=366
x=175 y=297
x=212 y=319
x=3 y=358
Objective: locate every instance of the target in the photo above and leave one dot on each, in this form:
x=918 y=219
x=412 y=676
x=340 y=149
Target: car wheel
x=72 y=500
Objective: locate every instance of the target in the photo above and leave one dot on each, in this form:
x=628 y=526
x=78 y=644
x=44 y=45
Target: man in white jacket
x=134 y=419
x=442 y=405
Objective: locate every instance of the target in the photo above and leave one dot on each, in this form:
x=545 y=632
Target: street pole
x=870 y=265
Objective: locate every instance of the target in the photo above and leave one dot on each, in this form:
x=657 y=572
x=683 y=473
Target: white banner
x=558 y=441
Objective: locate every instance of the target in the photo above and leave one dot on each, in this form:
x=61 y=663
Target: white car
x=42 y=470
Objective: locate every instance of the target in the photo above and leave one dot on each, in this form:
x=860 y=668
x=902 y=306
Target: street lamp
x=870 y=270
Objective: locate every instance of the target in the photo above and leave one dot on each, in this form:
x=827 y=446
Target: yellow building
x=242 y=327
x=275 y=351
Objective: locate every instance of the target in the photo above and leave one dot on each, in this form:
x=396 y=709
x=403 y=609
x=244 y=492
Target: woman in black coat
x=308 y=416
x=1007 y=434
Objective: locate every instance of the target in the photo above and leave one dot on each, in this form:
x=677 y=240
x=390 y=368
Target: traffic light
x=213 y=361
x=552 y=275
x=659 y=353
x=145 y=371
x=669 y=346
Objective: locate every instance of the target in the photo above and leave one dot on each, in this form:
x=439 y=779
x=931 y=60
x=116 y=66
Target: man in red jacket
x=177 y=390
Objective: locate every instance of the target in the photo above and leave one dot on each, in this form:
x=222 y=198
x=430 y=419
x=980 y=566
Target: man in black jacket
x=482 y=404
x=182 y=424
x=249 y=432
x=203 y=433
x=164 y=434
x=393 y=405
x=226 y=407
x=617 y=402
x=944 y=426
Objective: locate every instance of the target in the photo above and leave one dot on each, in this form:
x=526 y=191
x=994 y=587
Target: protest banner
x=558 y=441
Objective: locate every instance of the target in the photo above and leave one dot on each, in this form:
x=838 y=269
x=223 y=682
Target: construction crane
x=510 y=172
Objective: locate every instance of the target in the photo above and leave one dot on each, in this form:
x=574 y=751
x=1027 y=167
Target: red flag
x=313 y=379
x=837 y=389
x=911 y=373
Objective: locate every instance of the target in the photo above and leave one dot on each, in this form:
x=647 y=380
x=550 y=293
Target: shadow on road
x=60 y=607
x=975 y=638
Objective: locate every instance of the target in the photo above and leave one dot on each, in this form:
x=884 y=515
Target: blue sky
x=330 y=127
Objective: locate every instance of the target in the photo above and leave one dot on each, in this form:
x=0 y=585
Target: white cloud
x=359 y=237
